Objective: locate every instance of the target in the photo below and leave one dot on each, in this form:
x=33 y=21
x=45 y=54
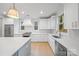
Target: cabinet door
x=51 y=43
x=43 y=24
x=25 y=50
x=70 y=16
x=53 y=22
x=49 y=24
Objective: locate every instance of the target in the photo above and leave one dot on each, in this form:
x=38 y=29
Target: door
x=8 y=30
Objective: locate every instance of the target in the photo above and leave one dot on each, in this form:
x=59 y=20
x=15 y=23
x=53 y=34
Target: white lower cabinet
x=25 y=50
x=58 y=49
x=39 y=38
x=51 y=43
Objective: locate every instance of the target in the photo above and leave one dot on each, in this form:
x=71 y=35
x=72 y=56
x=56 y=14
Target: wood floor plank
x=41 y=49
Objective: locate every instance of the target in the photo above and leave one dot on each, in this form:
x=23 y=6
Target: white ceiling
x=33 y=9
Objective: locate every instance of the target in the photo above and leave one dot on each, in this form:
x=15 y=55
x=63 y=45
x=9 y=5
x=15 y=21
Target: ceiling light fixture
x=12 y=12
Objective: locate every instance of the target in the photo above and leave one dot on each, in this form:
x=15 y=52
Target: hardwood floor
x=41 y=49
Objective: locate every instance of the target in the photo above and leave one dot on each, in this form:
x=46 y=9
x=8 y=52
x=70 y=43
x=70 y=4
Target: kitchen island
x=15 y=46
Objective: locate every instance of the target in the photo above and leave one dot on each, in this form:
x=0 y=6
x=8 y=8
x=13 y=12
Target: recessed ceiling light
x=41 y=12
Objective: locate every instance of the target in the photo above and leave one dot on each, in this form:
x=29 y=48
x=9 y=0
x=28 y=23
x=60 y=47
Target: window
x=61 y=24
x=22 y=27
x=35 y=25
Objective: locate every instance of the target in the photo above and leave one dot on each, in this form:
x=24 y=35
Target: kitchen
x=39 y=29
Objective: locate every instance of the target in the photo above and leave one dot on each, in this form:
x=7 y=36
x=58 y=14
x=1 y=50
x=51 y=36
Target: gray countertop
x=9 y=45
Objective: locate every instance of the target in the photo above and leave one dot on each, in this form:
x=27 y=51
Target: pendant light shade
x=12 y=12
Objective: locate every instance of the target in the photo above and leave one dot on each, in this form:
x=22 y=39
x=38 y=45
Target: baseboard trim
x=38 y=42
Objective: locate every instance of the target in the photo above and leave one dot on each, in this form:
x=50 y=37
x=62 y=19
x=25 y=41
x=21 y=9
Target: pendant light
x=12 y=12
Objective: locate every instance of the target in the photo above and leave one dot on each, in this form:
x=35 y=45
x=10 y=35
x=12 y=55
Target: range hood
x=27 y=23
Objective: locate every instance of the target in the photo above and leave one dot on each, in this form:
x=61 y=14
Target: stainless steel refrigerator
x=8 y=30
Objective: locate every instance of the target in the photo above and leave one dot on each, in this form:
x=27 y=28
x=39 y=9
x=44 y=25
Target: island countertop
x=10 y=45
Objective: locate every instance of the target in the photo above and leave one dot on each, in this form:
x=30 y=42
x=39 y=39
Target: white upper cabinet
x=71 y=16
x=43 y=24
x=53 y=22
x=48 y=23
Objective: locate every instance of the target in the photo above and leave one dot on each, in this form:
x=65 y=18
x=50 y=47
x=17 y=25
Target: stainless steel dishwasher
x=60 y=50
